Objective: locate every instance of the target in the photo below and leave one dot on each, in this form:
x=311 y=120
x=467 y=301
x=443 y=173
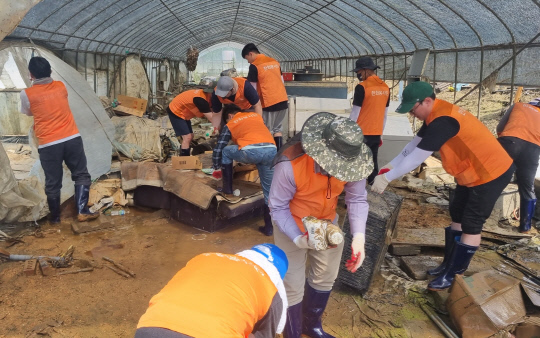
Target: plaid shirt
x=223 y=140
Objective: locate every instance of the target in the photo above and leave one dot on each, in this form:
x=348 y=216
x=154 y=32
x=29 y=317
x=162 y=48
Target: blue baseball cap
x=274 y=255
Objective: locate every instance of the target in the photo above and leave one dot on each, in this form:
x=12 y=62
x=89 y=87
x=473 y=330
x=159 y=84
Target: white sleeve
x=354 y=113
x=25 y=104
x=406 y=151
x=411 y=161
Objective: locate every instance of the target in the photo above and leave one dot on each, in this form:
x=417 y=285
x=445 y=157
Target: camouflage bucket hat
x=337 y=145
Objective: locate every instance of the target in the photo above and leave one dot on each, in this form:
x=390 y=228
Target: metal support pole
x=393 y=73
x=434 y=69
x=513 y=74
x=480 y=89
x=455 y=77
x=85 y=69
x=95 y=73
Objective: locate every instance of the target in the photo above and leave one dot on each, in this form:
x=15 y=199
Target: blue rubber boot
x=450 y=237
x=54 y=208
x=81 y=201
x=227 y=178
x=293 y=325
x=314 y=304
x=459 y=261
x=526 y=213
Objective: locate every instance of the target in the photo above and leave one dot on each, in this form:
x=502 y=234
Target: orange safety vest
x=53 y=119
x=312 y=197
x=214 y=295
x=523 y=123
x=269 y=83
x=182 y=105
x=249 y=128
x=371 y=117
x=473 y=156
x=239 y=99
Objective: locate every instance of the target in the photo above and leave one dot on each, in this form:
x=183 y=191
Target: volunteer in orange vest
x=471 y=154
x=235 y=90
x=311 y=170
x=253 y=144
x=370 y=107
x=221 y=295
x=519 y=134
x=265 y=75
x=58 y=137
x=184 y=107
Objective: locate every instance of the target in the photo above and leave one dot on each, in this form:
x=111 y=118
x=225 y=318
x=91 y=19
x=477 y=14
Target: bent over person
x=253 y=144
x=221 y=295
x=58 y=138
x=471 y=154
x=312 y=169
x=519 y=134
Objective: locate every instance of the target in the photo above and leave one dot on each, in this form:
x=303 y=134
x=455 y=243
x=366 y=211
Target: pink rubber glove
x=358 y=253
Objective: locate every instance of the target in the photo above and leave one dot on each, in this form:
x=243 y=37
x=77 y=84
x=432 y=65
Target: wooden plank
x=416 y=266
x=404 y=250
x=101 y=223
x=433 y=237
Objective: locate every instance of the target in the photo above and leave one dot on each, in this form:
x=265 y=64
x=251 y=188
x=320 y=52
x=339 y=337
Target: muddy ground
x=102 y=303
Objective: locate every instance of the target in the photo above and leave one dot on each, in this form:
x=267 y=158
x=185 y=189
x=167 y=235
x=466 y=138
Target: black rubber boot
x=81 y=201
x=54 y=208
x=185 y=152
x=314 y=304
x=459 y=261
x=526 y=213
x=227 y=178
x=450 y=237
x=268 y=228
x=293 y=325
x=278 y=140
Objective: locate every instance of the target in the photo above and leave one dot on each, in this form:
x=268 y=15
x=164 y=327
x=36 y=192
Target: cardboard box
x=131 y=106
x=484 y=303
x=186 y=162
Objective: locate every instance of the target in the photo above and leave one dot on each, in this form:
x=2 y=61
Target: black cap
x=365 y=62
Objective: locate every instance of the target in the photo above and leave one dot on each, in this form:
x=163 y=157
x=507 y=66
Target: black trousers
x=181 y=127
x=373 y=141
x=471 y=206
x=52 y=157
x=525 y=155
x=157 y=332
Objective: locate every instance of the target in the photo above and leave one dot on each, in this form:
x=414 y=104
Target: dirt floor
x=102 y=303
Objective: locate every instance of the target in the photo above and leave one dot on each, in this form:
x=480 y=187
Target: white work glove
x=301 y=241
x=358 y=254
x=385 y=169
x=379 y=184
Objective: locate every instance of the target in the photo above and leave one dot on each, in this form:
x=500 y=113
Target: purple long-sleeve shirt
x=283 y=189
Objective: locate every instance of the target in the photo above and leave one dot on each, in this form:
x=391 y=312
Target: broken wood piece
x=433 y=237
x=94 y=225
x=404 y=250
x=121 y=273
x=119 y=266
x=416 y=266
x=75 y=271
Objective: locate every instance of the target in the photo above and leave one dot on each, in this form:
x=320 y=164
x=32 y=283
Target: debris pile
x=192 y=55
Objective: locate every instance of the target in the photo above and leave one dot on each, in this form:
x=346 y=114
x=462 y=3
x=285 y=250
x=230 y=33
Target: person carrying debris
x=265 y=75
x=253 y=144
x=370 y=107
x=519 y=134
x=471 y=154
x=235 y=90
x=311 y=170
x=221 y=295
x=58 y=138
x=184 y=107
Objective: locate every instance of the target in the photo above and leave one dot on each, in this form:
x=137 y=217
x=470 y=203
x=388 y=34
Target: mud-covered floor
x=102 y=303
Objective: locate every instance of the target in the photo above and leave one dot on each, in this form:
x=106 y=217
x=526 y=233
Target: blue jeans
x=260 y=156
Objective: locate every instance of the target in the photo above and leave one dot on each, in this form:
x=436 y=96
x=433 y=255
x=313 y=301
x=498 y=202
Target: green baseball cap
x=414 y=92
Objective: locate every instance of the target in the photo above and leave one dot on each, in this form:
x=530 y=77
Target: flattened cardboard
x=186 y=162
x=484 y=303
x=131 y=106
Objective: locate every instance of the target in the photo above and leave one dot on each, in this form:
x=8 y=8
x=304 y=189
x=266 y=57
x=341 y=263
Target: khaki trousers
x=322 y=271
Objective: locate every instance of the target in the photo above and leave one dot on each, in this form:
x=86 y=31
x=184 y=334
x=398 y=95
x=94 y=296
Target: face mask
x=359 y=76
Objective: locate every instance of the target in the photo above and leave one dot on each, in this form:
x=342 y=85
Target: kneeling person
x=253 y=144
x=221 y=295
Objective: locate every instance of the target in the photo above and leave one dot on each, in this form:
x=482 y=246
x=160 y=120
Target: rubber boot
x=450 y=237
x=227 y=178
x=268 y=228
x=54 y=208
x=185 y=152
x=81 y=201
x=278 y=140
x=459 y=261
x=526 y=213
x=314 y=304
x=293 y=325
